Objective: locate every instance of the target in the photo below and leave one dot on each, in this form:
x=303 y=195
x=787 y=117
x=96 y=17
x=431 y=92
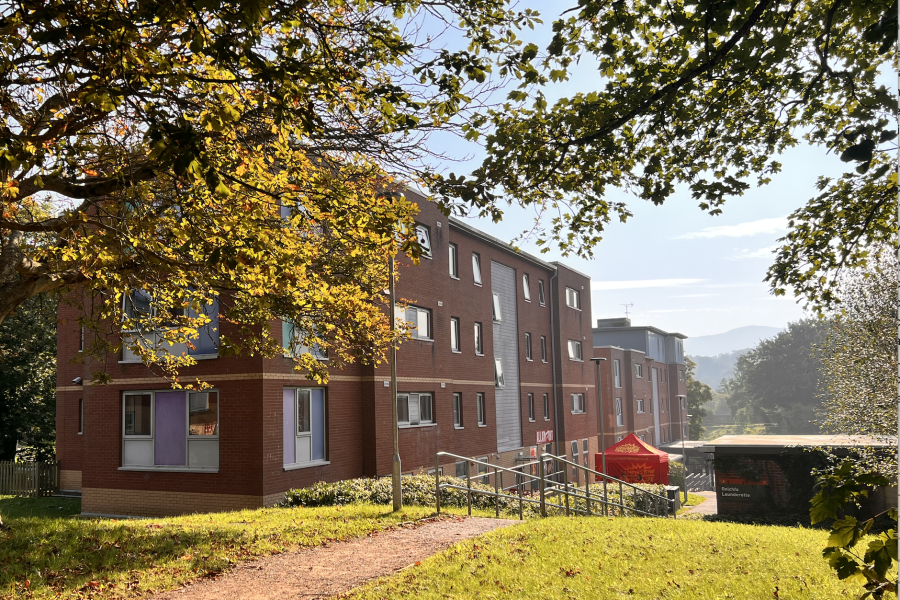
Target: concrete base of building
x=151 y=503
x=69 y=480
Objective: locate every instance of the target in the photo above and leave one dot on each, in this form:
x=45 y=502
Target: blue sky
x=682 y=269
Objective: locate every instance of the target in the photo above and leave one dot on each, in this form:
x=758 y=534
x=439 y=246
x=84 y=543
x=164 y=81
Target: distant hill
x=711 y=370
x=723 y=343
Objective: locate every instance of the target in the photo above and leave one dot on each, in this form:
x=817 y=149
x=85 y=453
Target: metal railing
x=570 y=498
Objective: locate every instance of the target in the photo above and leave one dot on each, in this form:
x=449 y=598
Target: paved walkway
x=335 y=568
x=706 y=508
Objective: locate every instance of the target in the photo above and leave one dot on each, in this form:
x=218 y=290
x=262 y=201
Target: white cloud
x=642 y=283
x=664 y=310
x=747 y=229
x=747 y=253
x=695 y=295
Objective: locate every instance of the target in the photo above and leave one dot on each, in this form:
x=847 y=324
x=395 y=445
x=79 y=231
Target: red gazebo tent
x=635 y=461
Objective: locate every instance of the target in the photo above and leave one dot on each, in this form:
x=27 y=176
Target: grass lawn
x=621 y=558
x=48 y=554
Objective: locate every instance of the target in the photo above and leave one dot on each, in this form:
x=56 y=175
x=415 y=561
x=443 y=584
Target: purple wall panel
x=289 y=434
x=171 y=429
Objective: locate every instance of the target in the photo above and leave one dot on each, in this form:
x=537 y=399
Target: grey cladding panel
x=506 y=347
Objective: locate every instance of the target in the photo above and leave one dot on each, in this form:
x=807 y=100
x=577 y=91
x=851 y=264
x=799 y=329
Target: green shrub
x=676 y=474
x=418 y=490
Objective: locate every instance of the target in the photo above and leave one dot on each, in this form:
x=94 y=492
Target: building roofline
x=498 y=243
x=645 y=327
x=568 y=268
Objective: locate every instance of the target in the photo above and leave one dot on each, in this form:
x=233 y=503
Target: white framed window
x=543 y=348
x=454 y=261
x=541 y=296
x=80 y=416
x=457 y=410
x=639 y=406
x=139 y=305
x=419 y=321
x=619 y=418
x=479 y=339
x=423 y=232
x=170 y=430
x=526 y=287
x=531 y=407
x=619 y=438
x=574 y=350
x=638 y=370
x=496 y=311
x=585 y=446
x=680 y=375
x=527 y=346
x=476 y=268
x=482 y=412
x=81 y=340
x=483 y=470
x=617 y=375
x=573 y=298
x=642 y=437
x=292 y=342
x=685 y=431
x=454 y=334
x=683 y=403
x=415 y=408
x=546 y=407
x=499 y=381
x=577 y=403
x=461 y=468
x=664 y=405
x=304 y=427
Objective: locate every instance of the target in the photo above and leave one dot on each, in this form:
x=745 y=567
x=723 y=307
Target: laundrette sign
x=741 y=490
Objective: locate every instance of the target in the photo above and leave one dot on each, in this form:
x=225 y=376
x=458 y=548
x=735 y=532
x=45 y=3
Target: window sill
x=195 y=357
x=423 y=339
x=527 y=300
x=454 y=277
x=576 y=359
x=456 y=351
x=482 y=424
x=401 y=426
x=458 y=427
x=547 y=419
x=167 y=469
x=543 y=361
x=476 y=283
x=543 y=304
x=531 y=420
x=530 y=359
x=315 y=463
x=578 y=412
x=479 y=354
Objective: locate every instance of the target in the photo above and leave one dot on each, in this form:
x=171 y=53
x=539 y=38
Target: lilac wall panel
x=289 y=433
x=170 y=432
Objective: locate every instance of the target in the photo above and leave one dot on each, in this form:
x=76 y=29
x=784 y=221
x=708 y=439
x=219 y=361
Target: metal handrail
x=522 y=478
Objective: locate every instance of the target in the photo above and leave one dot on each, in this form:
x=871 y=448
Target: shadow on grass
x=45 y=555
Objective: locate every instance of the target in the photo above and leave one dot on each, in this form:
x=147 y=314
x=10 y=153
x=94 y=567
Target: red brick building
x=644 y=388
x=499 y=362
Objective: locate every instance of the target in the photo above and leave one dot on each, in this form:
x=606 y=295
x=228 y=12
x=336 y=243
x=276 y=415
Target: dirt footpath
x=329 y=570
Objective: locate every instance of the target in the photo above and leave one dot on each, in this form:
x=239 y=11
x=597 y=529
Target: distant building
x=644 y=389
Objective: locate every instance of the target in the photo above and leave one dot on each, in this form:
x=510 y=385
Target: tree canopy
x=226 y=151
x=701 y=95
x=777 y=381
x=698 y=395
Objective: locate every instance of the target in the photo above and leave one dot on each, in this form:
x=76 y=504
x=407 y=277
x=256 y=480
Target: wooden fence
x=30 y=479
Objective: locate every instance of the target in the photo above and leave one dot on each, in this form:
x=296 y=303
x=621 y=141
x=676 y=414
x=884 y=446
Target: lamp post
x=682 y=405
x=396 y=489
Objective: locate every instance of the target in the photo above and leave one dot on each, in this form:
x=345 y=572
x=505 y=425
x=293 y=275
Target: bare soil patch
x=335 y=568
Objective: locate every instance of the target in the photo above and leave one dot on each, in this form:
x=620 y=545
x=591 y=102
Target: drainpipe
x=553 y=370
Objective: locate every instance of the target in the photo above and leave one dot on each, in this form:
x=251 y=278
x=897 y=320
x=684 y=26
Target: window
x=577 y=403
x=575 y=454
x=454 y=334
x=617 y=376
x=139 y=306
x=304 y=426
x=639 y=405
x=574 y=350
x=80 y=416
x=642 y=437
x=573 y=298
x=479 y=347
x=527 y=346
x=619 y=438
x=531 y=407
x=419 y=320
x=476 y=268
x=415 y=408
x=683 y=402
x=423 y=232
x=499 y=382
x=526 y=287
x=461 y=468
x=292 y=342
x=457 y=410
x=482 y=414
x=638 y=370
x=170 y=430
x=483 y=469
x=454 y=261
x=81 y=340
x=585 y=448
x=546 y=407
x=619 y=418
x=544 y=348
x=680 y=375
x=685 y=431
x=664 y=405
x=541 y=297
x=496 y=313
